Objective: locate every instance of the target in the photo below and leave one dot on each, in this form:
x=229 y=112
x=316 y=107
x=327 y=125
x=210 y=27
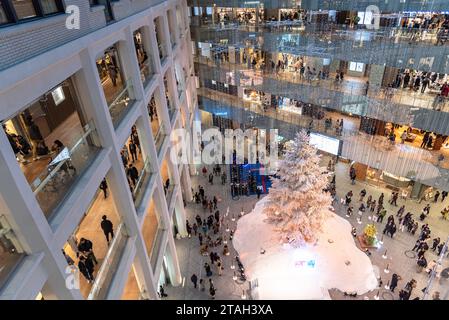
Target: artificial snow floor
x=287 y=273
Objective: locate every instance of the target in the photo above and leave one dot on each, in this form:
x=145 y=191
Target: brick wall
x=21 y=42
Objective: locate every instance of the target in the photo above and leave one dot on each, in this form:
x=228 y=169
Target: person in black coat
x=85 y=246
x=107 y=227
x=394 y=281
x=194 y=280
x=133 y=150
x=208 y=270
x=133 y=174
x=104 y=188
x=86 y=268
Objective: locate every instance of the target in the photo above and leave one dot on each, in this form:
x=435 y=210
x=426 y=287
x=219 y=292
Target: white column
x=28 y=222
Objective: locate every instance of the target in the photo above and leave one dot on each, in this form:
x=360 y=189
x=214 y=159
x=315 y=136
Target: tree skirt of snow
x=288 y=273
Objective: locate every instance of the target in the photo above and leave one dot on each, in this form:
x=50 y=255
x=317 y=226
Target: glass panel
x=159 y=138
x=3 y=16
x=120 y=104
x=109 y=266
x=156 y=248
x=151 y=231
x=54 y=184
x=11 y=253
x=142 y=183
x=169 y=193
x=49 y=6
x=24 y=8
x=146 y=72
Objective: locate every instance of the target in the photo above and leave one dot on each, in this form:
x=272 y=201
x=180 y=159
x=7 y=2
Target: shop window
x=356 y=66
x=3 y=15
x=19 y=10
x=49 y=6
x=24 y=9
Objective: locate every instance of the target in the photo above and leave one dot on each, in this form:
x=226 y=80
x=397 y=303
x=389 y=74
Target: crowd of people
x=130 y=155
x=402 y=221
x=212 y=230
x=87 y=261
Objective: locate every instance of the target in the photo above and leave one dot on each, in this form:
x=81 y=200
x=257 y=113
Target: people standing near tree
x=381 y=215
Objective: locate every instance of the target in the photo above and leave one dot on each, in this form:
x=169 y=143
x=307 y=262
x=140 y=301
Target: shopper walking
x=104 y=187
x=443 y=195
x=107 y=227
x=86 y=268
x=133 y=150
x=394 y=281
x=202 y=285
x=85 y=247
x=194 y=280
x=132 y=174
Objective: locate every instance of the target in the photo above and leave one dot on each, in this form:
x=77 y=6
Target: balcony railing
x=169 y=193
x=159 y=138
x=418 y=164
x=121 y=104
x=313 y=88
x=109 y=265
x=146 y=72
x=162 y=52
x=142 y=183
x=53 y=185
x=156 y=248
x=11 y=252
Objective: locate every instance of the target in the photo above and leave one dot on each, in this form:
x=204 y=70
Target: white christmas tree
x=296 y=203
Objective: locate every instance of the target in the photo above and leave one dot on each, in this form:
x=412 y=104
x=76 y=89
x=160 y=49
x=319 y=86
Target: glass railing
x=11 y=252
x=156 y=248
x=159 y=138
x=314 y=87
x=419 y=164
x=119 y=106
x=162 y=52
x=53 y=185
x=171 y=110
x=173 y=39
x=332 y=31
x=109 y=265
x=142 y=183
x=169 y=193
x=146 y=72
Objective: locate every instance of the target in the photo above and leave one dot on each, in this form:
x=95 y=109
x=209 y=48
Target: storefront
x=290 y=105
x=252 y=96
x=104 y=63
x=48 y=112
